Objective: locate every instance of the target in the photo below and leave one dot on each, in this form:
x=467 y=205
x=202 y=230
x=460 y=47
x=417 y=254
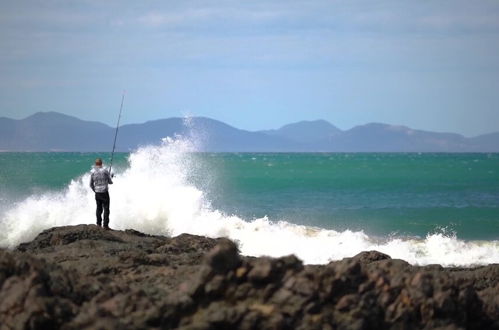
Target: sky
x=431 y=65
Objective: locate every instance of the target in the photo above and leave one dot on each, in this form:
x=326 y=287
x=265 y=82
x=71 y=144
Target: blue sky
x=430 y=65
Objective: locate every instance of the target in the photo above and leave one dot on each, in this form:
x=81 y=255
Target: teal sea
x=383 y=196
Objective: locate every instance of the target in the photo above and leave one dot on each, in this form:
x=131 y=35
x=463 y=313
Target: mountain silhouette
x=52 y=131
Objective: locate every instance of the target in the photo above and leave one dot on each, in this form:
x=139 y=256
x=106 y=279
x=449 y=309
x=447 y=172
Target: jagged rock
x=367 y=257
x=83 y=277
x=35 y=294
x=223 y=257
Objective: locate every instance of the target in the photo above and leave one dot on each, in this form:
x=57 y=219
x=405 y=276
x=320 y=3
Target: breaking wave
x=154 y=195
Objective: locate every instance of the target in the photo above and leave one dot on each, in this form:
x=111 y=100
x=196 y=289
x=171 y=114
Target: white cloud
x=485 y=22
x=235 y=15
x=160 y=19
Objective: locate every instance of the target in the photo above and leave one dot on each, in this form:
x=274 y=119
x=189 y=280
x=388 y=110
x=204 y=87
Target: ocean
x=423 y=208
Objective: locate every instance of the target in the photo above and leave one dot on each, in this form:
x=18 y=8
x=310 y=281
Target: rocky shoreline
x=84 y=277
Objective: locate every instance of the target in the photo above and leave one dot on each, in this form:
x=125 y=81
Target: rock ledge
x=83 y=277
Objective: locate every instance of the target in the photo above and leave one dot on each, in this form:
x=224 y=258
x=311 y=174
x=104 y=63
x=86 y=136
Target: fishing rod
x=116 y=132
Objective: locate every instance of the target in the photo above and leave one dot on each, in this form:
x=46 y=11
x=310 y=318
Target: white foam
x=153 y=195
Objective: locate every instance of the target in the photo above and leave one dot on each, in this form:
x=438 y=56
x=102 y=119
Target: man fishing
x=99 y=180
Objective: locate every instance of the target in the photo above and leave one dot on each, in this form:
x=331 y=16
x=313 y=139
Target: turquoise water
x=407 y=195
x=25 y=174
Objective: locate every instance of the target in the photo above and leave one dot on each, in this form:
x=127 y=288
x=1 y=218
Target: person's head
x=98 y=162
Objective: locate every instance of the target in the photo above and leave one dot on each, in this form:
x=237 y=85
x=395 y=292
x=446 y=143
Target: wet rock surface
x=83 y=277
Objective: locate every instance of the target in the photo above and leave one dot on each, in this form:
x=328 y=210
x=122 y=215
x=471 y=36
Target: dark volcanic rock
x=367 y=257
x=83 y=277
x=35 y=294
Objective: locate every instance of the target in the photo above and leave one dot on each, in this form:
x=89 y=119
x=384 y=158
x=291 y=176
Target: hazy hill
x=389 y=138
x=306 y=131
x=212 y=135
x=51 y=131
x=320 y=135
x=486 y=142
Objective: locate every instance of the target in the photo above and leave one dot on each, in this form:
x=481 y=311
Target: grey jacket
x=99 y=179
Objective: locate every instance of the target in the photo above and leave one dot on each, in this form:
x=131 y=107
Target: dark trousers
x=103 y=202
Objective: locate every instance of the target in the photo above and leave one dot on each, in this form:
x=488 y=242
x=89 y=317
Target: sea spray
x=154 y=194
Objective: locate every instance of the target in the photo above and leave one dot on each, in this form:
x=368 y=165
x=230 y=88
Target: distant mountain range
x=51 y=131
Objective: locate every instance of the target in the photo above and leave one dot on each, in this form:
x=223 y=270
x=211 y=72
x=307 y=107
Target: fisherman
x=99 y=179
